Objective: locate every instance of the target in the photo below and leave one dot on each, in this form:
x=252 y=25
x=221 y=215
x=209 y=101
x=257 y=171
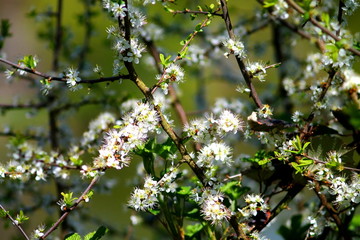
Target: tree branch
x=241 y=64
x=15 y=223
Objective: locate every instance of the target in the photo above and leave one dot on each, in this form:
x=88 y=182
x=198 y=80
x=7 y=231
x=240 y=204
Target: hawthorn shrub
x=197 y=175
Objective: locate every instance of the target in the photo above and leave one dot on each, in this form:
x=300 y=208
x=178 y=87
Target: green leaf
x=98 y=234
x=296 y=167
x=296 y=231
x=306 y=16
x=68 y=198
x=5 y=28
x=21 y=217
x=234 y=190
x=29 y=61
x=3 y=213
x=166 y=149
x=192 y=230
x=355 y=222
x=325 y=17
x=154 y=211
x=269 y=3
x=184 y=190
x=73 y=236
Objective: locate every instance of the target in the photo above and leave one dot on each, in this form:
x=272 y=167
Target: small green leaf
x=234 y=190
x=184 y=190
x=20 y=218
x=5 y=28
x=3 y=213
x=29 y=61
x=98 y=234
x=73 y=236
x=192 y=230
x=68 y=199
x=154 y=211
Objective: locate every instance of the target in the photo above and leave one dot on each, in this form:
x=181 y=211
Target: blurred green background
x=110 y=208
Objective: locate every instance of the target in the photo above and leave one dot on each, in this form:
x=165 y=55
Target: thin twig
x=328 y=32
x=76 y=204
x=14 y=222
x=323 y=162
x=188 y=11
x=178 y=57
x=332 y=211
x=241 y=64
x=63 y=79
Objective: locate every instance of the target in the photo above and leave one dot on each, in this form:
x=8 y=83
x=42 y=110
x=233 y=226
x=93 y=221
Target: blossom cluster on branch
x=289 y=136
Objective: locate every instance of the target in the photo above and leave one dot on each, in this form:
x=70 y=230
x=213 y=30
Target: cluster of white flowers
x=350 y=6
x=296 y=117
x=291 y=86
x=152 y=32
x=345 y=192
x=280 y=9
x=257 y=70
x=132 y=132
x=38 y=232
x=174 y=73
x=195 y=55
x=96 y=127
x=137 y=18
x=236 y=47
x=234 y=105
x=337 y=58
x=144 y=199
x=345 y=189
x=314 y=65
x=30 y=162
x=214 y=152
x=254 y=203
x=126 y=51
x=316 y=225
x=209 y=128
x=213 y=209
x=117 y=10
x=129 y=52
x=351 y=81
x=145 y=2
x=72 y=79
x=167 y=182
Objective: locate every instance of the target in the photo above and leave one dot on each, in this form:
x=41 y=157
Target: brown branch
x=332 y=211
x=58 y=36
x=15 y=223
x=63 y=79
x=307 y=129
x=76 y=204
x=295 y=6
x=241 y=64
x=175 y=99
x=22 y=106
x=186 y=11
x=178 y=57
x=323 y=162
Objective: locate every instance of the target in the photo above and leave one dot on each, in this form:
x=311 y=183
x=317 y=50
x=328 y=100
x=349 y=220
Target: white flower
x=280 y=9
x=213 y=210
x=118 y=10
x=174 y=73
x=214 y=153
x=257 y=70
x=236 y=47
x=72 y=79
x=351 y=81
x=228 y=122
